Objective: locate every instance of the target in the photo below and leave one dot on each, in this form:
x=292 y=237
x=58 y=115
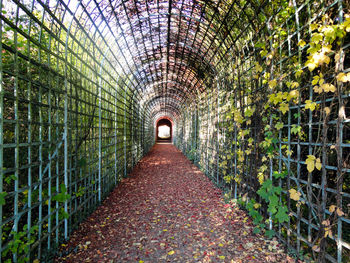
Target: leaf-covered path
x=167 y=210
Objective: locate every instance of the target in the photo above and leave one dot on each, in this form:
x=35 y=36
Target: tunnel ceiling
x=164 y=53
x=168 y=51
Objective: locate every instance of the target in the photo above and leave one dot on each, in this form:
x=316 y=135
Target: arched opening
x=164 y=131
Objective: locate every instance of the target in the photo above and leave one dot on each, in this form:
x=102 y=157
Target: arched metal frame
x=82 y=84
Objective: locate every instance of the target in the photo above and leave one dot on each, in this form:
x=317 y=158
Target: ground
x=167 y=210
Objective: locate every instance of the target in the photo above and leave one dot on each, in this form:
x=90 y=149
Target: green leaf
x=279 y=125
x=296 y=115
x=63 y=188
x=65 y=215
x=82 y=162
x=260 y=45
x=273 y=204
x=2 y=198
x=256 y=230
x=282 y=214
x=277 y=190
x=270 y=233
x=9 y=178
x=262 y=192
x=257 y=218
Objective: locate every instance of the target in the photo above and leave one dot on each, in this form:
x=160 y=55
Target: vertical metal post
x=16 y=198
x=65 y=136
x=208 y=134
x=66 y=156
x=339 y=132
x=116 y=138
x=125 y=170
x=99 y=141
x=1 y=128
x=298 y=121
x=195 y=134
x=132 y=132
x=270 y=177
x=218 y=131
x=100 y=129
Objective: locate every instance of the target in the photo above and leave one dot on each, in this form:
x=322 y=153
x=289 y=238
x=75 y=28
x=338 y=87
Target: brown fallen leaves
x=168 y=211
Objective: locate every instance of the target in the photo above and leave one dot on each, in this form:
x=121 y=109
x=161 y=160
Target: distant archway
x=164 y=130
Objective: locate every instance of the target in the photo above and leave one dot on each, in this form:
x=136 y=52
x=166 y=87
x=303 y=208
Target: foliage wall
x=273 y=128
x=71 y=128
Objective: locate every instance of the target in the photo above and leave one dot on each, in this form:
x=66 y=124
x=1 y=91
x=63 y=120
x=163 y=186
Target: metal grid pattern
x=231 y=152
x=83 y=82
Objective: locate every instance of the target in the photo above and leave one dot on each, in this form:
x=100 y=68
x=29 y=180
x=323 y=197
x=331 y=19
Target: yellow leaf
x=311 y=65
x=326 y=222
x=172 y=252
x=272 y=83
x=295 y=195
x=301 y=43
x=342 y=77
x=310 y=105
x=327 y=110
x=329 y=32
x=141 y=261
x=298 y=73
x=294 y=93
x=316 y=248
x=320 y=58
x=258 y=68
x=313 y=27
x=261 y=178
x=222 y=257
x=310 y=162
x=328 y=232
x=284 y=107
x=328 y=87
x=315 y=80
x=289 y=152
x=257 y=205
x=221 y=245
x=318 y=89
x=165 y=230
x=318 y=164
x=337 y=57
x=316 y=37
x=339 y=212
x=36 y=261
x=332 y=208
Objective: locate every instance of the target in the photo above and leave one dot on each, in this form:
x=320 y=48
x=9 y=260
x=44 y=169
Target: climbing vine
x=281 y=106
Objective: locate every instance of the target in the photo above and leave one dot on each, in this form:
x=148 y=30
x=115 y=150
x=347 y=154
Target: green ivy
x=20 y=243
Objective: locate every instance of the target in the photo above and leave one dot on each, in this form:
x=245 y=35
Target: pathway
x=167 y=210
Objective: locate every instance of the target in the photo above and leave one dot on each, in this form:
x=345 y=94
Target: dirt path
x=169 y=211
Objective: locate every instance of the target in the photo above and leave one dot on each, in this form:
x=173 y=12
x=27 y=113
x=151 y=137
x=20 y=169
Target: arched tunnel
x=255 y=93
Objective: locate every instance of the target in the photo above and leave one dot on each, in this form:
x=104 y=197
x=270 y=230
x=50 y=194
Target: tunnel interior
x=257 y=91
